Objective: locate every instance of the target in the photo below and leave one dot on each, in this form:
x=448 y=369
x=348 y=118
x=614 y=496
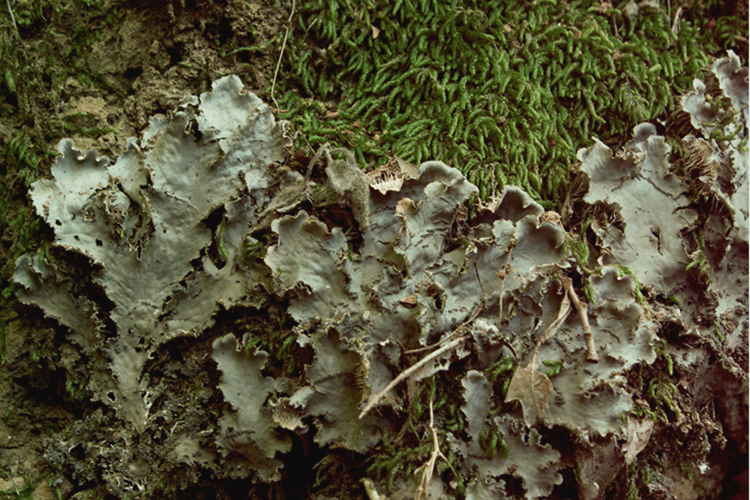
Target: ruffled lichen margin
x=397 y=303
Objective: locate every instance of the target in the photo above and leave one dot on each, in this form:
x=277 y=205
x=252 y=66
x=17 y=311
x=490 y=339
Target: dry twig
x=582 y=309
x=12 y=17
x=419 y=364
x=429 y=467
x=409 y=371
x=281 y=54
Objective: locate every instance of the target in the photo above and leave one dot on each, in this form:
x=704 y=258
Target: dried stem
x=409 y=371
x=457 y=330
x=419 y=364
x=582 y=309
x=428 y=347
x=12 y=17
x=281 y=54
x=429 y=467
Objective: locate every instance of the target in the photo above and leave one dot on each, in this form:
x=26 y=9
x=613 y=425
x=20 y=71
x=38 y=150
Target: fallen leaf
x=639 y=433
x=531 y=388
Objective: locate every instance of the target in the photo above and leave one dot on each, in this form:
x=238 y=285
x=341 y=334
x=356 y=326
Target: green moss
x=717 y=332
x=625 y=271
x=76 y=389
x=554 y=365
x=393 y=458
x=639 y=475
x=253 y=250
x=662 y=349
x=641 y=411
x=588 y=291
x=269 y=331
x=20 y=228
x=662 y=392
x=507 y=93
x=700 y=262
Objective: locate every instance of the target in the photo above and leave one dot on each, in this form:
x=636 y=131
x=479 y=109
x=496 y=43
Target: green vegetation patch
x=506 y=93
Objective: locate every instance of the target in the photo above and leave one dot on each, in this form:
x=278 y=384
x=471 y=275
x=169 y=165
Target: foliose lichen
x=387 y=288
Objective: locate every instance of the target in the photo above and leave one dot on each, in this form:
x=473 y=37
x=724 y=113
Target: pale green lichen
x=398 y=309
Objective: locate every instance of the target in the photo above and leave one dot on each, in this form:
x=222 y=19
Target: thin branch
x=429 y=467
x=428 y=347
x=446 y=339
x=582 y=309
x=12 y=17
x=371 y=490
x=419 y=364
x=409 y=371
x=561 y=316
x=281 y=54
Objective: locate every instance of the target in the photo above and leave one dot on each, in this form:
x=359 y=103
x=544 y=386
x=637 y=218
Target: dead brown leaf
x=531 y=388
x=408 y=170
x=638 y=434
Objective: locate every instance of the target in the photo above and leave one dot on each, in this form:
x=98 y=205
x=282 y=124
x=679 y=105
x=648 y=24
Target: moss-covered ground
x=507 y=92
